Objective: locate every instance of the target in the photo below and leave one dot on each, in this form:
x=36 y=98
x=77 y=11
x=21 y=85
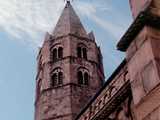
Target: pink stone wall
x=137 y=6
x=143 y=65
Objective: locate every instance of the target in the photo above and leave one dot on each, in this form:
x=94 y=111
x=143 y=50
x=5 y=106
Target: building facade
x=70 y=71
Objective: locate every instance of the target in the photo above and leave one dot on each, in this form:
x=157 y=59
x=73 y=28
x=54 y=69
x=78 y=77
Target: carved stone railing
x=109 y=97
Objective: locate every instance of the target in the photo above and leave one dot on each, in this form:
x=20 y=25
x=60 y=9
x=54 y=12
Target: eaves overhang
x=145 y=18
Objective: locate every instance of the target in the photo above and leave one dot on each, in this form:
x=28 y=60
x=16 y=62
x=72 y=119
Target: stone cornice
x=72 y=35
x=145 y=18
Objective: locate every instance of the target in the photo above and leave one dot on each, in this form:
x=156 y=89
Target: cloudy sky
x=23 y=24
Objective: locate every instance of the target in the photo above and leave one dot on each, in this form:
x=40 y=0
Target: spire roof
x=69 y=23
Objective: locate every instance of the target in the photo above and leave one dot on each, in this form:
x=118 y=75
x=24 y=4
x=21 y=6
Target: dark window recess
x=79 y=53
x=60 y=52
x=54 y=79
x=54 y=54
x=60 y=78
x=57 y=79
x=84 y=53
x=86 y=78
x=80 y=77
x=57 y=54
x=83 y=79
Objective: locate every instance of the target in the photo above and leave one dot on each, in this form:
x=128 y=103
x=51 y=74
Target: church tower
x=70 y=69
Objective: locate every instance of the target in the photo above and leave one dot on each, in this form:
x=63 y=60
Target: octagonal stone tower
x=70 y=69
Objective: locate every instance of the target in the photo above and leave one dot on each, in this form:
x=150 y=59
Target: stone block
x=150 y=77
x=137 y=89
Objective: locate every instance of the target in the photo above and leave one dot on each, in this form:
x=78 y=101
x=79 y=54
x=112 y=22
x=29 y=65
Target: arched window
x=80 y=77
x=55 y=54
x=57 y=77
x=83 y=76
x=81 y=51
x=60 y=52
x=86 y=78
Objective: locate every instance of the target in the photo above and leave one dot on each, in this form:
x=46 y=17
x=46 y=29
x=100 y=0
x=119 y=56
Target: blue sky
x=23 y=24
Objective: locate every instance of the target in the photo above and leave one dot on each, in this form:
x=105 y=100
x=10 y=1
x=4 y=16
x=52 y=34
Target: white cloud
x=29 y=18
x=32 y=18
x=92 y=11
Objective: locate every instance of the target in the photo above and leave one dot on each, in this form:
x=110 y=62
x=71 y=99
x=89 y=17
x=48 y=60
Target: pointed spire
x=69 y=23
